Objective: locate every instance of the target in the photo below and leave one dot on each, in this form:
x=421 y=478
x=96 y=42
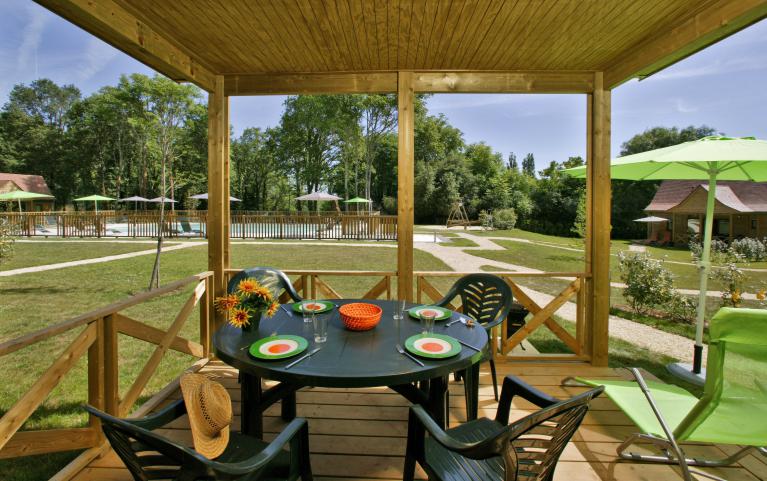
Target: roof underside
x=622 y=38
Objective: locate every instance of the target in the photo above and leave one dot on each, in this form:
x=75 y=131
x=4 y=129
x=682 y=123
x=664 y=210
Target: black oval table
x=349 y=359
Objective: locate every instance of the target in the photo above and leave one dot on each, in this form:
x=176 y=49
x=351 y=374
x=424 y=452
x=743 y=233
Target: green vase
x=253 y=324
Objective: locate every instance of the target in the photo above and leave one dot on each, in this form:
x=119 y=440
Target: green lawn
x=29 y=254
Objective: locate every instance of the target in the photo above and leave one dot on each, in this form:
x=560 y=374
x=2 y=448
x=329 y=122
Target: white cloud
x=683 y=107
x=97 y=55
x=30 y=39
x=714 y=67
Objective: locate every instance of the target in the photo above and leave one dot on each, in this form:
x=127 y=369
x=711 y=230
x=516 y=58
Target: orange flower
x=248 y=286
x=239 y=318
x=263 y=293
x=736 y=297
x=272 y=309
x=762 y=294
x=226 y=303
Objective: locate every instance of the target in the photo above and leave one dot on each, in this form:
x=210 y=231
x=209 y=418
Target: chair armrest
x=260 y=460
x=481 y=449
x=514 y=386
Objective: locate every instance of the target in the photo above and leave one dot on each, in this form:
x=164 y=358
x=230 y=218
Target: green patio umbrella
x=358 y=201
x=19 y=195
x=95 y=199
x=710 y=158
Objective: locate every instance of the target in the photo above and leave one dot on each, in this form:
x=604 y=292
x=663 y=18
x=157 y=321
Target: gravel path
x=655 y=340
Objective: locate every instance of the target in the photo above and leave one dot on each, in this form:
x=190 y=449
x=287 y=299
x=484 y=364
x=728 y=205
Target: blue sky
x=723 y=87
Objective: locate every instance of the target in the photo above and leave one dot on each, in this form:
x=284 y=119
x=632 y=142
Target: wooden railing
x=99 y=341
x=244 y=225
x=314 y=284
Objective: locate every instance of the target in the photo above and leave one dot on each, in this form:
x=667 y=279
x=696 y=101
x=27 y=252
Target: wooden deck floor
x=360 y=434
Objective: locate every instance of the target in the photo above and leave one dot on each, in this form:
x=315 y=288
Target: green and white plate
x=435 y=346
x=316 y=306
x=440 y=313
x=278 y=347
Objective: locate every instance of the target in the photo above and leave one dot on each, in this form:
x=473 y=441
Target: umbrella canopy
x=19 y=195
x=95 y=198
x=165 y=200
x=652 y=218
x=710 y=158
x=318 y=196
x=205 y=197
x=135 y=198
x=358 y=200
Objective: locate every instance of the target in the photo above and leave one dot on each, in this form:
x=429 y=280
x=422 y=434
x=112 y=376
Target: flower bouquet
x=245 y=306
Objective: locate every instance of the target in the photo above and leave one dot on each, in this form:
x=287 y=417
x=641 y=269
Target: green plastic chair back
x=733 y=408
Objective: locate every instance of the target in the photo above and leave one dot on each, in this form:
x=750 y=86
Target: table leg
x=438 y=400
x=251 y=417
x=289 y=406
x=471 y=391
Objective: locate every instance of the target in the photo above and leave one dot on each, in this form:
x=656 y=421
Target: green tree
x=513 y=161
x=528 y=165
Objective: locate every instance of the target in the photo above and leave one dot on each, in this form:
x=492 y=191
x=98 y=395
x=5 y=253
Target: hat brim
x=210 y=447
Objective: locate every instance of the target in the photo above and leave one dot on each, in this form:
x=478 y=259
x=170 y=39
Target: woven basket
x=360 y=316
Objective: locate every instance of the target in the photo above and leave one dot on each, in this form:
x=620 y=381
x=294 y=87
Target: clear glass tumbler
x=399 y=310
x=320 y=327
x=427 y=321
x=306 y=311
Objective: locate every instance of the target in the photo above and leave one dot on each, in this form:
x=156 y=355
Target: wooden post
x=205 y=304
x=218 y=131
x=96 y=375
x=405 y=174
x=111 y=368
x=599 y=220
x=227 y=182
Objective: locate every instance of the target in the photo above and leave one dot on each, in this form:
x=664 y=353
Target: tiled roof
x=28 y=183
x=740 y=196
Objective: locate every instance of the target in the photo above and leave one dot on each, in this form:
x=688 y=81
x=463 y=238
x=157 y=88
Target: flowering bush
x=248 y=300
x=6 y=241
x=749 y=249
x=720 y=252
x=682 y=308
x=648 y=283
x=504 y=219
x=732 y=280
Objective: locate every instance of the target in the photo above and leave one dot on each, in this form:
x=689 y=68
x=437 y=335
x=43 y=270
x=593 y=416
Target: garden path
x=652 y=339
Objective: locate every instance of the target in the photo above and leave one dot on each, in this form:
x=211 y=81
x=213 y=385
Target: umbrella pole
x=704 y=269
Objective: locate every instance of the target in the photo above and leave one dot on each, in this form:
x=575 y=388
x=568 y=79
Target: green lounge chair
x=732 y=410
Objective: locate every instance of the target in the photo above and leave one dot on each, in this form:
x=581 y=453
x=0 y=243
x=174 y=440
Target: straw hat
x=210 y=413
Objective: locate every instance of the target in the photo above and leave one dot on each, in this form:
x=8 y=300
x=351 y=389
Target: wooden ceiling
x=246 y=37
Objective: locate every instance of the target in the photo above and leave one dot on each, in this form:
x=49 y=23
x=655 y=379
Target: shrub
x=389 y=205
x=682 y=308
x=732 y=280
x=6 y=241
x=504 y=219
x=749 y=249
x=720 y=251
x=648 y=283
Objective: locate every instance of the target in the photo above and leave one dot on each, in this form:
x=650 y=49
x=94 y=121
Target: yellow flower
x=226 y=303
x=736 y=297
x=762 y=294
x=239 y=318
x=248 y=286
x=263 y=293
x=272 y=309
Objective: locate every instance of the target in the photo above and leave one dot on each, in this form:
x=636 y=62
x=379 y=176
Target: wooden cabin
x=27 y=183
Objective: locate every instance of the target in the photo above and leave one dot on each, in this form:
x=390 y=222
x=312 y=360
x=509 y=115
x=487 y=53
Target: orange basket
x=360 y=316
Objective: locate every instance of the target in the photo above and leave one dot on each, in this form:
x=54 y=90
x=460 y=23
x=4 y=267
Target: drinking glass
x=306 y=312
x=399 y=310
x=427 y=320
x=320 y=327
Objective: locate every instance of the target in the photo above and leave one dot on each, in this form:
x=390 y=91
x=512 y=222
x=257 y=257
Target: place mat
x=440 y=312
x=278 y=347
x=316 y=306
x=435 y=346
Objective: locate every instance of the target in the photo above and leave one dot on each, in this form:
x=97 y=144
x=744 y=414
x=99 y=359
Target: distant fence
x=244 y=225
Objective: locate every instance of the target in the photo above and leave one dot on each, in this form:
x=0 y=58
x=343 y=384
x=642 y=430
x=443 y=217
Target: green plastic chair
x=732 y=410
x=148 y=455
x=271 y=278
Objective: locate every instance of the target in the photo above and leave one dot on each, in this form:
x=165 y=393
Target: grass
x=36 y=300
x=30 y=254
x=459 y=242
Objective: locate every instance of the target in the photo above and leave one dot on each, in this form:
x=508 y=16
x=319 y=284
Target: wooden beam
x=599 y=221
x=504 y=82
x=116 y=26
x=217 y=132
x=429 y=82
x=144 y=332
x=705 y=27
x=405 y=191
x=28 y=443
x=311 y=83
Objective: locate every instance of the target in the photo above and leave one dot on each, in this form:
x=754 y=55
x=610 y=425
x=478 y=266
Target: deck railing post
x=205 y=306
x=111 y=368
x=96 y=375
